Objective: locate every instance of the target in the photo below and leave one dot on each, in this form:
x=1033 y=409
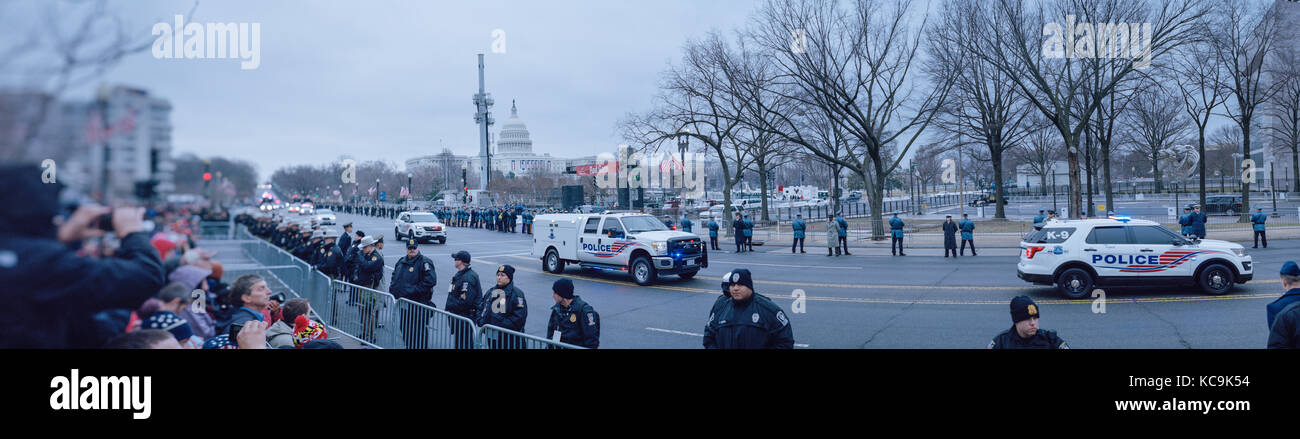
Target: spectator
x=281 y=334
x=144 y=339
x=192 y=278
x=164 y=312
x=51 y=293
x=251 y=299
x=306 y=330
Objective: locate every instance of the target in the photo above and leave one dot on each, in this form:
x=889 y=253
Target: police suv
x=420 y=226
x=620 y=242
x=1077 y=255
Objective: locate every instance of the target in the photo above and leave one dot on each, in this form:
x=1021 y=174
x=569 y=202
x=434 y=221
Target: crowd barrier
x=374 y=317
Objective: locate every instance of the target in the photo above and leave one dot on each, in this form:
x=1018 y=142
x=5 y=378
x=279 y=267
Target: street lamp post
x=410 y=191
x=683 y=141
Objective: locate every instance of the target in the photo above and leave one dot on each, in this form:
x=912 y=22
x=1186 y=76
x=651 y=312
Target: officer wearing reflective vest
x=575 y=321
x=799 y=228
x=1024 y=332
x=746 y=320
x=504 y=306
x=1257 y=220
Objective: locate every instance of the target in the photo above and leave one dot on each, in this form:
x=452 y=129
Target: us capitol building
x=511 y=154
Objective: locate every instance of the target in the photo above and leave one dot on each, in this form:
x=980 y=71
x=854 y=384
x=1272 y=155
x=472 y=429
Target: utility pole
x=483 y=103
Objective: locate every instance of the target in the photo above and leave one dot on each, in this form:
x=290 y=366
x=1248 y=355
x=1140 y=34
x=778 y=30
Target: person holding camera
x=50 y=293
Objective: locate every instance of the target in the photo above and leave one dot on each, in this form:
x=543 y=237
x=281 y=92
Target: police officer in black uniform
x=1024 y=332
x=414 y=279
x=746 y=320
x=504 y=306
x=575 y=320
x=330 y=261
x=463 y=300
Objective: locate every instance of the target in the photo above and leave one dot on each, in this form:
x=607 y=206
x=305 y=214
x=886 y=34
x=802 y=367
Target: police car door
x=589 y=238
x=613 y=239
x=401 y=224
x=1162 y=257
x=1110 y=251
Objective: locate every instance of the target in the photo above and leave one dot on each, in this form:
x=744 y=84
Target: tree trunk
x=1087 y=164
x=762 y=186
x=877 y=192
x=1155 y=170
x=996 y=154
x=1072 y=154
x=1201 y=165
x=1245 y=155
x=1295 y=164
x=1042 y=177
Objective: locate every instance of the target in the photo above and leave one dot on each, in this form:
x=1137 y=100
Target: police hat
x=1290 y=269
x=318 y=234
x=1023 y=308
x=1186 y=208
x=346 y=225
x=410 y=244
x=742 y=276
x=462 y=256
x=330 y=233
x=369 y=240
x=1259 y=207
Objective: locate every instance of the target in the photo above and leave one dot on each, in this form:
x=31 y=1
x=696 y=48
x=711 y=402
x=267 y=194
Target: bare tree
x=1199 y=75
x=1285 y=108
x=1013 y=39
x=854 y=63
x=1039 y=152
x=1246 y=33
x=1153 y=124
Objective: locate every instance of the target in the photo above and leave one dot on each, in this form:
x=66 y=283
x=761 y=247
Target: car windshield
x=324 y=212
x=637 y=224
x=423 y=218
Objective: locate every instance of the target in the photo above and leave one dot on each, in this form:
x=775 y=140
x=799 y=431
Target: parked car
x=1222 y=205
x=986 y=199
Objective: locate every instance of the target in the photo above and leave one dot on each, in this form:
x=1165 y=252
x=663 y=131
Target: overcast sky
x=391 y=80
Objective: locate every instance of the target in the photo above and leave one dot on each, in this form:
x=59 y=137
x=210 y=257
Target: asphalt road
x=867 y=301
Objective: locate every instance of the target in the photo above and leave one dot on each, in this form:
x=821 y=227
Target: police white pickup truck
x=1077 y=255
x=620 y=242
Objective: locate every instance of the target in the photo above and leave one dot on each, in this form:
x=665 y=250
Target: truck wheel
x=1215 y=279
x=396 y=234
x=1075 y=283
x=688 y=275
x=552 y=262
x=642 y=271
x=442 y=239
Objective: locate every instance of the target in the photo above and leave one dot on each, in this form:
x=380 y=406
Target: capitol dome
x=514 y=135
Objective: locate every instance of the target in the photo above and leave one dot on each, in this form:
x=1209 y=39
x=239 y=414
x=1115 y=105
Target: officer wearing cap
x=749 y=232
x=463 y=299
x=746 y=320
x=304 y=246
x=1040 y=220
x=1198 y=220
x=331 y=257
x=576 y=322
x=896 y=235
x=414 y=279
x=1185 y=220
x=800 y=228
x=844 y=232
x=351 y=257
x=713 y=234
x=369 y=264
x=967 y=234
x=1291 y=281
x=686 y=223
x=1024 y=332
x=504 y=306
x=345 y=241
x=1257 y=220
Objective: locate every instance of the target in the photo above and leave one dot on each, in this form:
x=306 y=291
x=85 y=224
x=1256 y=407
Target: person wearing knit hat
x=305 y=330
x=573 y=320
x=463 y=299
x=504 y=306
x=167 y=321
x=746 y=319
x=1024 y=332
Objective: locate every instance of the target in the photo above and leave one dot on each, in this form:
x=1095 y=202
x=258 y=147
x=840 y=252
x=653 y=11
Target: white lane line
x=671 y=331
x=797 y=266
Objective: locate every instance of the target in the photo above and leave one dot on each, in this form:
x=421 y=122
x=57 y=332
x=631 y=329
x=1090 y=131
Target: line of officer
x=745 y=319
x=504 y=306
x=573 y=319
x=799 y=228
x=967 y=228
x=463 y=299
x=1024 y=332
x=413 y=279
x=1257 y=224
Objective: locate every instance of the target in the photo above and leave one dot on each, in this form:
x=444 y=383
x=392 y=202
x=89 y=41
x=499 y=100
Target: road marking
x=889 y=301
x=711 y=260
x=671 y=331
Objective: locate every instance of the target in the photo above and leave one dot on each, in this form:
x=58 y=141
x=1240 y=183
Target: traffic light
x=207 y=176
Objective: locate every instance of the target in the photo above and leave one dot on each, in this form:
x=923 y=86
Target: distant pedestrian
x=844 y=233
x=738 y=232
x=832 y=237
x=799 y=227
x=896 y=235
x=949 y=237
x=967 y=228
x=1258 y=220
x=713 y=234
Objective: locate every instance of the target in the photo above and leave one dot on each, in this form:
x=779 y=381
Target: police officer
x=345 y=241
x=351 y=258
x=844 y=232
x=967 y=234
x=1024 y=332
x=304 y=247
x=686 y=223
x=575 y=321
x=749 y=233
x=504 y=306
x=799 y=228
x=1285 y=332
x=746 y=320
x=369 y=264
x=738 y=230
x=1185 y=220
x=713 y=234
x=414 y=279
x=1198 y=221
x=1290 y=275
x=1258 y=220
x=463 y=298
x=1040 y=220
x=949 y=237
x=331 y=259
x=896 y=234
x=528 y=222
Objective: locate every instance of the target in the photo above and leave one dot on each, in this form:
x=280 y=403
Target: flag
x=405 y=193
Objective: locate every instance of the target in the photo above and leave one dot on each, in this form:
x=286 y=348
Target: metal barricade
x=216 y=230
x=425 y=327
x=356 y=311
x=493 y=337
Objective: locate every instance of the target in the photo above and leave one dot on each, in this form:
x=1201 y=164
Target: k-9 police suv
x=621 y=242
x=1077 y=255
